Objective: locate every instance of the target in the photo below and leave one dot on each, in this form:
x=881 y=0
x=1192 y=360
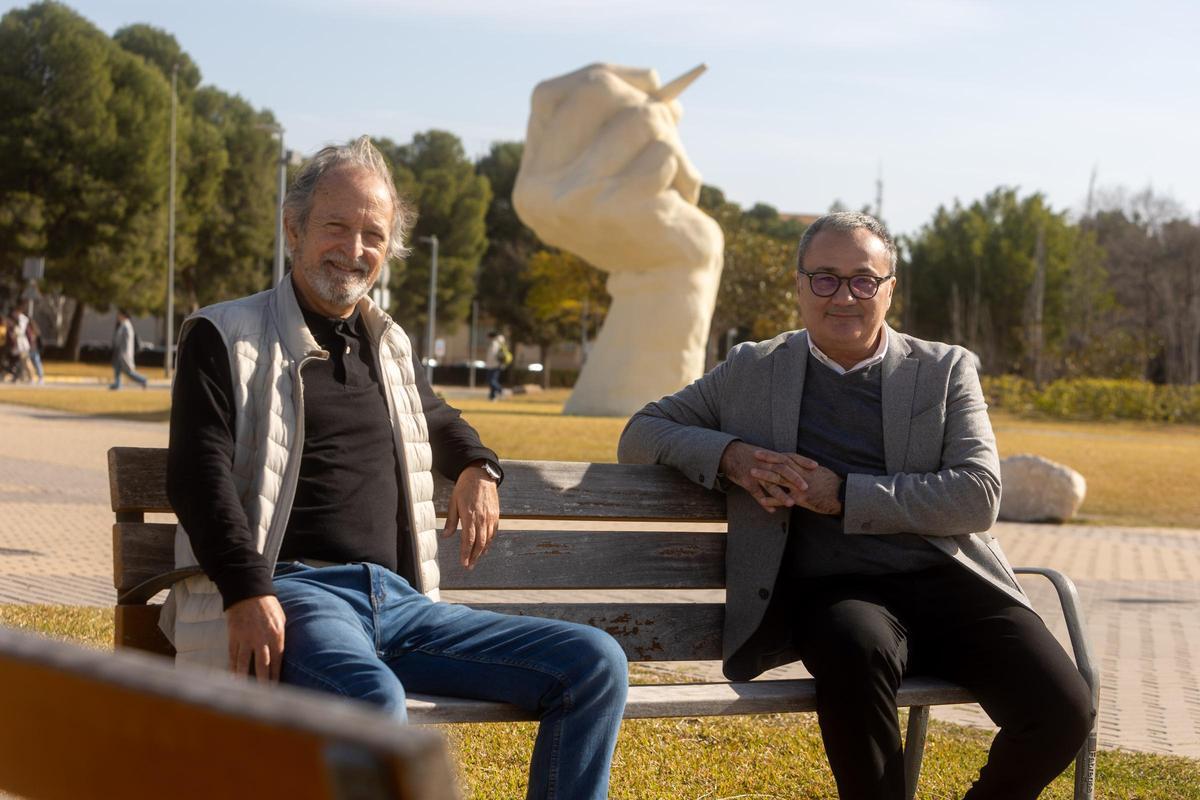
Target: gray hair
x=359 y=154
x=845 y=222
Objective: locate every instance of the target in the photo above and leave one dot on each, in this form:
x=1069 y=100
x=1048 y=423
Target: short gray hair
x=845 y=222
x=359 y=154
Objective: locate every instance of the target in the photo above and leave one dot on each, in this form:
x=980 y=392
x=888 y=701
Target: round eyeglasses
x=826 y=284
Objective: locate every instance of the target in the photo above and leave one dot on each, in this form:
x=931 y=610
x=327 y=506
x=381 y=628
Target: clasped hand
x=782 y=480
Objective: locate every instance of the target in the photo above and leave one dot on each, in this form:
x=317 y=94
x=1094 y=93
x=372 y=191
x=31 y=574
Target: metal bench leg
x=914 y=748
x=1085 y=768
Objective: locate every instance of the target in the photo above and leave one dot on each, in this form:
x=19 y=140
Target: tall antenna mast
x=879 y=192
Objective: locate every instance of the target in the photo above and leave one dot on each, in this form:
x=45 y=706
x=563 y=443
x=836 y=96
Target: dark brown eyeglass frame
x=871 y=280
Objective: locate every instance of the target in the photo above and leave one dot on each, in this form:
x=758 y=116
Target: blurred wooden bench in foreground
x=78 y=723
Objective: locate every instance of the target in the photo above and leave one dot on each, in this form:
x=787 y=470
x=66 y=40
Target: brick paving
x=1139 y=587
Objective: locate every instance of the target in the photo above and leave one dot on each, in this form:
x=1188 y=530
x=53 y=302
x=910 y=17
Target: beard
x=337 y=280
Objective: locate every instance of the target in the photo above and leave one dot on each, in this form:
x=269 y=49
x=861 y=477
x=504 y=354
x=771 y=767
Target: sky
x=803 y=104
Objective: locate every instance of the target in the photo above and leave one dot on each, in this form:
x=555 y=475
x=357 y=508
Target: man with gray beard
x=303 y=439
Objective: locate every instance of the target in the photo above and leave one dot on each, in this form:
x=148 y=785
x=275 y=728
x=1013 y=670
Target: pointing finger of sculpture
x=672 y=90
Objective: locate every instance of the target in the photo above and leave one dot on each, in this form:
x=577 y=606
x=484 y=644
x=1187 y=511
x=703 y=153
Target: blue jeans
x=495 y=388
x=362 y=631
x=119 y=368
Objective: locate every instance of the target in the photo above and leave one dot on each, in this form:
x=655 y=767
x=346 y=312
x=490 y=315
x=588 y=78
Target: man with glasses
x=862 y=478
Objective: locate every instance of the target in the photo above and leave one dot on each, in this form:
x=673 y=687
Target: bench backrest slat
x=646 y=631
x=580 y=491
x=591 y=560
x=137 y=480
x=517 y=559
x=141 y=550
x=532 y=490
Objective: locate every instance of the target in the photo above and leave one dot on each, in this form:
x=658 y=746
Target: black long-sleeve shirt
x=350 y=503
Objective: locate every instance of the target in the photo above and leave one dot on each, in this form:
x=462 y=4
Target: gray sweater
x=841 y=427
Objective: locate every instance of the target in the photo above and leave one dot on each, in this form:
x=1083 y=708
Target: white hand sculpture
x=604 y=176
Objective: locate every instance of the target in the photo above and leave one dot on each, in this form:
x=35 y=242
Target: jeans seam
x=319 y=678
x=376 y=593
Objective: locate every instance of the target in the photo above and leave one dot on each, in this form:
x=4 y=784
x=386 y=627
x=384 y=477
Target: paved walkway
x=1140 y=587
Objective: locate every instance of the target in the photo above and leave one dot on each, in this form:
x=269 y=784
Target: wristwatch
x=491 y=470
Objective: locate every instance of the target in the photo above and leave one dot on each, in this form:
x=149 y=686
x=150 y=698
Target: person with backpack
x=497 y=360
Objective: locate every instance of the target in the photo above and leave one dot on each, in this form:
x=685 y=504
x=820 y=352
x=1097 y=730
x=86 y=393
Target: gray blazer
x=943 y=478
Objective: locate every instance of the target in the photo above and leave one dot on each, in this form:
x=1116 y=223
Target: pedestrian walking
x=498 y=357
x=18 y=346
x=123 y=347
x=34 y=333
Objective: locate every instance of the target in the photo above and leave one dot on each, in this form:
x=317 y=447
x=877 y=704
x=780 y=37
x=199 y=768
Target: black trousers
x=859 y=635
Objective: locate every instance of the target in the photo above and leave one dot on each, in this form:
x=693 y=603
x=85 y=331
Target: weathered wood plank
x=687 y=700
x=137 y=479
x=646 y=631
x=578 y=490
x=136 y=628
x=101 y=707
x=590 y=560
x=517 y=560
x=141 y=551
x=531 y=490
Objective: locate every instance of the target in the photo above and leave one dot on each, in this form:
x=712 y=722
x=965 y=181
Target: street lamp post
x=283 y=165
x=474 y=328
x=168 y=361
x=277 y=129
x=433 y=267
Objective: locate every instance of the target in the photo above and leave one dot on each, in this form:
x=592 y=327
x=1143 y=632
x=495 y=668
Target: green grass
x=1138 y=473
x=774 y=756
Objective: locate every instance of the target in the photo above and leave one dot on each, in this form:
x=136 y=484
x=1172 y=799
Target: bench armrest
x=1068 y=598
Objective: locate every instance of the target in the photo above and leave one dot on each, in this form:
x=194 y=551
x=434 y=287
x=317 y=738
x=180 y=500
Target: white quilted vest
x=268 y=344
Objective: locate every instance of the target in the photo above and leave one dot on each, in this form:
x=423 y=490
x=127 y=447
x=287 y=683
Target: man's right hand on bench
x=256 y=636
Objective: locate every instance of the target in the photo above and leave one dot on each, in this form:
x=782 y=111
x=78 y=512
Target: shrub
x=1095 y=399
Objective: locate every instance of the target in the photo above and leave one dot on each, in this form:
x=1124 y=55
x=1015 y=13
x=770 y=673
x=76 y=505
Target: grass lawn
x=101 y=372
x=775 y=756
x=1138 y=473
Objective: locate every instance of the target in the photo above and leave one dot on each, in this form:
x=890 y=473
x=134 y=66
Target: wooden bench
x=610 y=558
x=77 y=722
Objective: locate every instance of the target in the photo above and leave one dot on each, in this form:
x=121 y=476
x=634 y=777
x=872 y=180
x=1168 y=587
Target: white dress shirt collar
x=871 y=360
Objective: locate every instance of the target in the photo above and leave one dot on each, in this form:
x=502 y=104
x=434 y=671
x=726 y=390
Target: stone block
x=1036 y=489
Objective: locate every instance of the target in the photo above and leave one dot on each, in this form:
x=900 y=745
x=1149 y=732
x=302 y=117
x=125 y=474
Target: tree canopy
x=83 y=155
x=973 y=273
x=434 y=173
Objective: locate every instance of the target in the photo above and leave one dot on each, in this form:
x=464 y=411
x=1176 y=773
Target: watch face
x=491 y=471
